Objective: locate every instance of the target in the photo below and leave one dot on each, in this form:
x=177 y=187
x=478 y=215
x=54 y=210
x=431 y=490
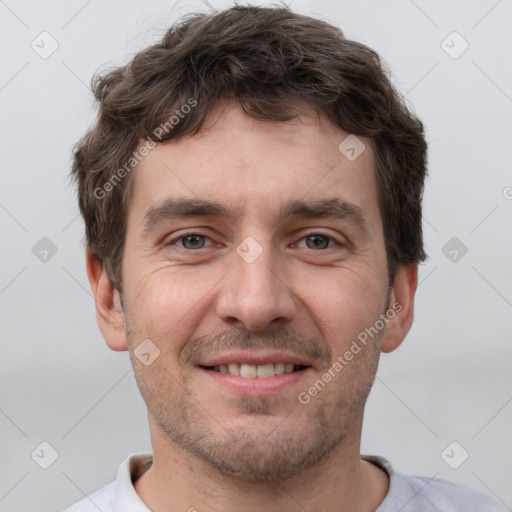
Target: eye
x=319 y=241
x=191 y=241
x=194 y=241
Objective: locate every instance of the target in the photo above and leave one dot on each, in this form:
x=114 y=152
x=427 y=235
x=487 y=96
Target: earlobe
x=401 y=307
x=109 y=313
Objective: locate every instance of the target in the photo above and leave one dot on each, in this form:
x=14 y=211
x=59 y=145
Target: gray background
x=451 y=379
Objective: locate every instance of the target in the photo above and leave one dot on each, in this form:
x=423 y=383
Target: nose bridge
x=254 y=294
x=254 y=270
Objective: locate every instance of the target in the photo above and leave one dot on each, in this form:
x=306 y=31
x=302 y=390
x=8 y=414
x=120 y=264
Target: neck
x=177 y=480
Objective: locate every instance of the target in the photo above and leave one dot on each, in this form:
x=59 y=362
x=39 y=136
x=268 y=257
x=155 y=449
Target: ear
x=401 y=307
x=109 y=312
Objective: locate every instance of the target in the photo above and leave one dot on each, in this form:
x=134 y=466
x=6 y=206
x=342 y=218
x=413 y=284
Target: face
x=257 y=244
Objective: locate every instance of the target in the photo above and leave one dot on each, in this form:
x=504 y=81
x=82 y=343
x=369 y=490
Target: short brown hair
x=264 y=58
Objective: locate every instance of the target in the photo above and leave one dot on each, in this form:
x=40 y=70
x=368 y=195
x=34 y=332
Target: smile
x=251 y=371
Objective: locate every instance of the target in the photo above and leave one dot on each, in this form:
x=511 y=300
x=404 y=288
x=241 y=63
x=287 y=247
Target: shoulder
x=438 y=494
x=119 y=494
x=410 y=493
x=98 y=500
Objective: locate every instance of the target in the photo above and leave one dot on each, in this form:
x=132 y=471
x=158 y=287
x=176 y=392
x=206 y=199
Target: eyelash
x=312 y=233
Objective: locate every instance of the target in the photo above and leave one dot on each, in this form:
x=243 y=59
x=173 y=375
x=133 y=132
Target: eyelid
x=196 y=232
x=184 y=234
x=335 y=239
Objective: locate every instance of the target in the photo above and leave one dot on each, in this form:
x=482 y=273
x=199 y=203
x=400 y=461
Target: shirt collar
x=125 y=497
x=397 y=486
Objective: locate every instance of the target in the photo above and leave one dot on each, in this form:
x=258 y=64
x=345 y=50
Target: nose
x=255 y=295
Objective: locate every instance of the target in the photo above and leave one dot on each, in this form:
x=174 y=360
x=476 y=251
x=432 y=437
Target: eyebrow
x=334 y=208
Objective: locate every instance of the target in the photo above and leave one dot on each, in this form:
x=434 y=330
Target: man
x=251 y=192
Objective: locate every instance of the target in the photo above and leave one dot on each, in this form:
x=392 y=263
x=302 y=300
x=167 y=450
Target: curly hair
x=267 y=59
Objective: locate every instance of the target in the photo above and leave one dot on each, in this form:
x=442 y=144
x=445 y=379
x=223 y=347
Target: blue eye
x=317 y=241
x=193 y=241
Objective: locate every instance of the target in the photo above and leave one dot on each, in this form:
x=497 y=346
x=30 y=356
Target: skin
x=213 y=448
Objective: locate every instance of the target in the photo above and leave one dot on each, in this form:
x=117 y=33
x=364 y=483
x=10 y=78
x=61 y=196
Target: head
x=253 y=185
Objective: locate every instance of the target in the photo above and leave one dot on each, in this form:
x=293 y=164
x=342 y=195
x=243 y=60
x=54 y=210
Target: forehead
x=256 y=166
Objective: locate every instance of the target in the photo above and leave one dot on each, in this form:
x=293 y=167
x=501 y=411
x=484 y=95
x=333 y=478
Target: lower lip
x=261 y=386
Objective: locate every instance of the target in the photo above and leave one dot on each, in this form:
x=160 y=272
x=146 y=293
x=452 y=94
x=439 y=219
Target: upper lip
x=257 y=358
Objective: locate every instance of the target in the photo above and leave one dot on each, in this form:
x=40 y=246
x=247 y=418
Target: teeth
x=265 y=370
x=279 y=368
x=248 y=371
x=234 y=368
x=251 y=371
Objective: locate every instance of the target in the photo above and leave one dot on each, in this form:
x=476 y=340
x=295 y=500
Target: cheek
x=166 y=305
x=343 y=305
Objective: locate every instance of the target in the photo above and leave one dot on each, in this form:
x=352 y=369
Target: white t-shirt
x=406 y=493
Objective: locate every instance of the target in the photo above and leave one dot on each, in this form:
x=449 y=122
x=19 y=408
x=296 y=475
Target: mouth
x=249 y=380
x=252 y=371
